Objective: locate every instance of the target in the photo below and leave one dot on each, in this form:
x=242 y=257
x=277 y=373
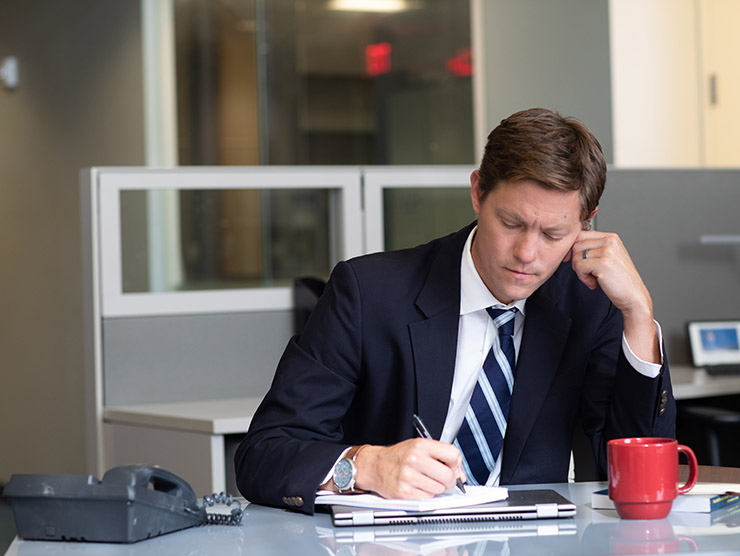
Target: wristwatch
x=345 y=471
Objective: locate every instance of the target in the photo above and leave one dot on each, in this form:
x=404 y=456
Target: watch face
x=343 y=474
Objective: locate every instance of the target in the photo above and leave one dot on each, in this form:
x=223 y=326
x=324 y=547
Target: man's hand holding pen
x=422 y=431
x=413 y=469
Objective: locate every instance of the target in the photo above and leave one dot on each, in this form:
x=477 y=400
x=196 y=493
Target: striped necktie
x=482 y=431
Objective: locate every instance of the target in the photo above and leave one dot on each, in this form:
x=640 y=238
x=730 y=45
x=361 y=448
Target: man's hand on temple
x=601 y=259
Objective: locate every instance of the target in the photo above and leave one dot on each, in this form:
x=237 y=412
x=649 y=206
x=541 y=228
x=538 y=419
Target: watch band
x=354 y=451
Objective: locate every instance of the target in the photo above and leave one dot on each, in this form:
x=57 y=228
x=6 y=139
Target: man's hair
x=541 y=145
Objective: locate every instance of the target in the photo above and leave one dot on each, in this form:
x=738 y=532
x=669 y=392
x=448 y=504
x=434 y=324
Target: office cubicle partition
x=409 y=205
x=188 y=275
x=159 y=205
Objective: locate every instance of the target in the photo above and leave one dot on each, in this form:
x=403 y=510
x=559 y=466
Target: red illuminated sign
x=378 y=58
x=461 y=64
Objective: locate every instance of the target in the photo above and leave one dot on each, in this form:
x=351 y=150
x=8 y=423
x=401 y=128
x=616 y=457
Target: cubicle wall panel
x=192 y=357
x=196 y=457
x=681 y=229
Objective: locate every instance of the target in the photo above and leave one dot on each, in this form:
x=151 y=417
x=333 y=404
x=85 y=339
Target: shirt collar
x=474 y=295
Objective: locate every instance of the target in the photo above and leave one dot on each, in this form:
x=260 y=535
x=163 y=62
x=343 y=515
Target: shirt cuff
x=650 y=370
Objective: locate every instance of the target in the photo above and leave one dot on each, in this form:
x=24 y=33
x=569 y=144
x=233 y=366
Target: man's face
x=524 y=232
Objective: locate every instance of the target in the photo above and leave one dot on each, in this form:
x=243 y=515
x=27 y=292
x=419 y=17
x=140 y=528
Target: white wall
x=720 y=49
x=79 y=104
x=655 y=83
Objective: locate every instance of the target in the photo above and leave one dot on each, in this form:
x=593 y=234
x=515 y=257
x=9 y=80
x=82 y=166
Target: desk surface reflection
x=270 y=531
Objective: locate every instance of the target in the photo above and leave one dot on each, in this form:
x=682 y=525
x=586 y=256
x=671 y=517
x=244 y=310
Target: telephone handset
x=130 y=503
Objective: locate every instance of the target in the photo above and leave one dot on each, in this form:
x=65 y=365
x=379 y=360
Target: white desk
x=191 y=438
x=690 y=383
x=269 y=531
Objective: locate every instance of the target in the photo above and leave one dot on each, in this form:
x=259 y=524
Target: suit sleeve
x=619 y=401
x=296 y=434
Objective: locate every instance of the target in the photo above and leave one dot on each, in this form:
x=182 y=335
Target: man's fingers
x=439 y=461
x=417 y=468
x=584 y=267
x=417 y=484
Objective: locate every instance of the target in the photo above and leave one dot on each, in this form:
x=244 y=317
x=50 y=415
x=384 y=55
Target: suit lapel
x=545 y=333
x=434 y=339
x=434 y=362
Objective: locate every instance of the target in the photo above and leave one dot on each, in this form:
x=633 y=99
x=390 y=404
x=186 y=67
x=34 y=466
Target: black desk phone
x=130 y=503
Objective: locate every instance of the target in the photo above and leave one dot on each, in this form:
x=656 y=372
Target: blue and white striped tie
x=482 y=431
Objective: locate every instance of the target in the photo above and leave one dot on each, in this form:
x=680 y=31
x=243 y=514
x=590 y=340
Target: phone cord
x=234 y=518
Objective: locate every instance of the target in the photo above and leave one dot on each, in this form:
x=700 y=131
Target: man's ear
x=588 y=223
x=475 y=191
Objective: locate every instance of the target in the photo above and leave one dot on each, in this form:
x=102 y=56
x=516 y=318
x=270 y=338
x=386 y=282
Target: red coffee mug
x=643 y=476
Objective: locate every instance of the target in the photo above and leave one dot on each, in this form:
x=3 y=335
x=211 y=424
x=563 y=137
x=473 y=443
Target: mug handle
x=693 y=469
x=693 y=547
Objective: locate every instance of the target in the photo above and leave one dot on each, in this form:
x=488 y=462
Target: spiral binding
x=235 y=518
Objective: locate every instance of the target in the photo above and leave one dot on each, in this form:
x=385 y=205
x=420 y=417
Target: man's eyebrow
x=503 y=213
x=556 y=229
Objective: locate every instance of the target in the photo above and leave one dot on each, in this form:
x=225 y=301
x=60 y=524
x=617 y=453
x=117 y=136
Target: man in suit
x=408 y=332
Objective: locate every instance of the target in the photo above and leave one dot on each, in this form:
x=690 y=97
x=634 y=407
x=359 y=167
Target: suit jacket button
x=286 y=500
x=664 y=396
x=661 y=411
x=298 y=501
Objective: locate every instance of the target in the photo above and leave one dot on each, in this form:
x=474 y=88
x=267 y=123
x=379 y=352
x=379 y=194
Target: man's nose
x=526 y=248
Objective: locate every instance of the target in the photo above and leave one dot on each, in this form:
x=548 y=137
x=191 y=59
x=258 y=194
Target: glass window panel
x=217 y=82
x=182 y=240
x=301 y=82
x=415 y=215
x=367 y=87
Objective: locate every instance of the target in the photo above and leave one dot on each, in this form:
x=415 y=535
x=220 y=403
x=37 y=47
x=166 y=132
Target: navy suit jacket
x=380 y=345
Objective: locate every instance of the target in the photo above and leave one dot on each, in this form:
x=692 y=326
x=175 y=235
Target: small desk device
x=130 y=503
x=715 y=346
x=520 y=505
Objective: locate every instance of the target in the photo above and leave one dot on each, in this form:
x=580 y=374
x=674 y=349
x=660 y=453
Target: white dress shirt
x=474 y=339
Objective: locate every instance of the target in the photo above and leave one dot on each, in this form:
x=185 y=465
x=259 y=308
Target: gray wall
x=660 y=216
x=79 y=104
x=552 y=55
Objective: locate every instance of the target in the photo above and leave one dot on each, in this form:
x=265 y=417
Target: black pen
x=422 y=431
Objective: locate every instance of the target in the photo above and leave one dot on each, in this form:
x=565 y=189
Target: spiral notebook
x=519 y=505
x=451 y=498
